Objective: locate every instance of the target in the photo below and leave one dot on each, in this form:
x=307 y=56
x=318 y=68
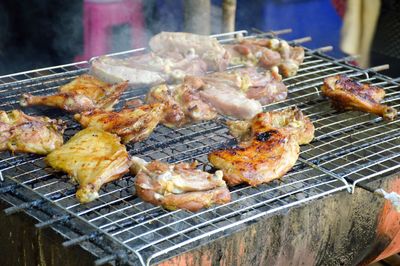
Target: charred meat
x=33 y=134
x=132 y=125
x=290 y=121
x=85 y=93
x=179 y=186
x=91 y=158
x=347 y=94
x=267 y=156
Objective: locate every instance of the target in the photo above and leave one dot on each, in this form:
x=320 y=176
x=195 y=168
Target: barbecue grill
x=349 y=148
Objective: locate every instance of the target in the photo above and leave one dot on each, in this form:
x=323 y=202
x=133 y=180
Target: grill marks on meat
x=91 y=157
x=85 y=93
x=267 y=156
x=178 y=186
x=347 y=94
x=131 y=125
x=267 y=53
x=290 y=121
x=32 y=134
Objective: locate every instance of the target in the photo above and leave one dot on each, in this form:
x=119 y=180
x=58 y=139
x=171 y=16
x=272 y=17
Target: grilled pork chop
x=267 y=156
x=34 y=134
x=91 y=157
x=85 y=93
x=178 y=186
x=347 y=94
x=207 y=48
x=290 y=121
x=131 y=125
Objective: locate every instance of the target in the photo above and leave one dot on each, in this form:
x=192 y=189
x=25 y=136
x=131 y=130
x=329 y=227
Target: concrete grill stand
x=323 y=212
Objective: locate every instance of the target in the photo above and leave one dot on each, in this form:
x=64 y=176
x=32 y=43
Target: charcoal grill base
x=338 y=229
x=23 y=244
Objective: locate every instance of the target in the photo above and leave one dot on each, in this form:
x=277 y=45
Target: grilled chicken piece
x=207 y=48
x=84 y=93
x=267 y=156
x=264 y=87
x=347 y=94
x=34 y=134
x=289 y=121
x=179 y=186
x=267 y=53
x=182 y=103
x=91 y=157
x=148 y=69
x=131 y=125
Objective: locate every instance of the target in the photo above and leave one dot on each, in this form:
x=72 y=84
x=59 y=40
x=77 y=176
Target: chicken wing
x=290 y=121
x=34 y=134
x=131 y=125
x=85 y=93
x=267 y=156
x=179 y=186
x=91 y=157
x=347 y=94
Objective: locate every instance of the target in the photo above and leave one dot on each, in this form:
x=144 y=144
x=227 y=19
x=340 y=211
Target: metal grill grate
x=349 y=147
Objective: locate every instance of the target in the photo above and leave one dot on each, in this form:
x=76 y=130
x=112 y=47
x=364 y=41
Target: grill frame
x=17 y=188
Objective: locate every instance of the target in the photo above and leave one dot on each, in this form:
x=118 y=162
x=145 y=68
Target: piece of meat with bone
x=84 y=93
x=182 y=103
x=20 y=132
x=267 y=53
x=290 y=121
x=147 y=69
x=198 y=99
x=207 y=48
x=269 y=155
x=178 y=186
x=132 y=125
x=92 y=157
x=347 y=94
x=266 y=87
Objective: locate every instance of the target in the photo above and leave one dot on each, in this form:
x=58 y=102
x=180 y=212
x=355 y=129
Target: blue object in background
x=315 y=18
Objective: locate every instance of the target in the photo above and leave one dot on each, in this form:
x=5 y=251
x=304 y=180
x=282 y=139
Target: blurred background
x=41 y=33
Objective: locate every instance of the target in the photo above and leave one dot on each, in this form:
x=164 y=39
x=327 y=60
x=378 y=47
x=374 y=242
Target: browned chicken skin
x=92 y=157
x=347 y=94
x=131 y=125
x=290 y=121
x=178 y=186
x=34 y=134
x=85 y=93
x=267 y=156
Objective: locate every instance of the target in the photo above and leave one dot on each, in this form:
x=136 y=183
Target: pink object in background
x=99 y=16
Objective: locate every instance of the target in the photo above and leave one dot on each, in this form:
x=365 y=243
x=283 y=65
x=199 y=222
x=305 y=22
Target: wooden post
x=197 y=16
x=228 y=15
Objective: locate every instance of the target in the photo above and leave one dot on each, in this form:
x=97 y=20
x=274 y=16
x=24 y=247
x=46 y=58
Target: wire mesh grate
x=351 y=145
